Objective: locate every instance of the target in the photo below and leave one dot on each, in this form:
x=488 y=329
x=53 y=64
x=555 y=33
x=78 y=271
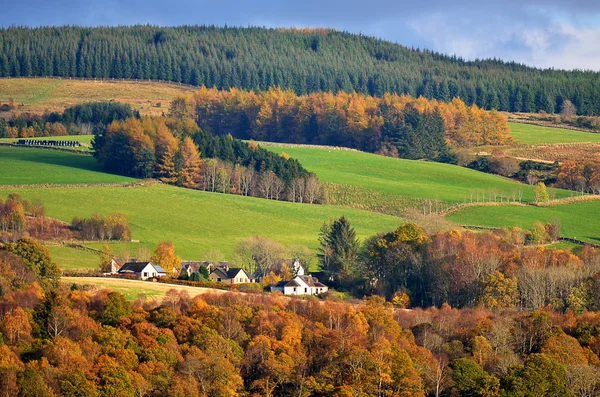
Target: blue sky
x=550 y=33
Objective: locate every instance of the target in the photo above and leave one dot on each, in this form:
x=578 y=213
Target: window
x=218 y=279
x=294 y=289
x=305 y=290
x=145 y=274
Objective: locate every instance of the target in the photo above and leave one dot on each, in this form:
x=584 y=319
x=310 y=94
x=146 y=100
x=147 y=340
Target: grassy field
x=86 y=141
x=198 y=221
x=538 y=135
x=35 y=166
x=41 y=95
x=389 y=177
x=132 y=289
x=579 y=220
x=69 y=258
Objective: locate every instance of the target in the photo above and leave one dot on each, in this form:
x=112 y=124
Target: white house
x=143 y=270
x=301 y=285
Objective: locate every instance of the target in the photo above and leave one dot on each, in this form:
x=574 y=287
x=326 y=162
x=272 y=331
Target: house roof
x=159 y=269
x=137 y=267
x=233 y=271
x=309 y=280
x=133 y=267
x=220 y=273
x=194 y=266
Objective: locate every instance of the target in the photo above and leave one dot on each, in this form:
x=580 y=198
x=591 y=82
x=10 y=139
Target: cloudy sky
x=549 y=33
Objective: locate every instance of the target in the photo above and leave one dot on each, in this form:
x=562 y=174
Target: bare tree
x=247 y=176
x=278 y=188
x=568 y=108
x=300 y=189
x=313 y=189
x=266 y=184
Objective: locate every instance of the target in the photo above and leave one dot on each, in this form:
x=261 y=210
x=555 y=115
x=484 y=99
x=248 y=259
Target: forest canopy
x=308 y=60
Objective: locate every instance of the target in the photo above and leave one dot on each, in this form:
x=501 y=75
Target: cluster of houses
x=221 y=272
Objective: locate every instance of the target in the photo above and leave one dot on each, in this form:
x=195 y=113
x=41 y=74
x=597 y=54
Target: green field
x=403 y=178
x=538 y=135
x=39 y=166
x=198 y=221
x=69 y=258
x=86 y=141
x=579 y=220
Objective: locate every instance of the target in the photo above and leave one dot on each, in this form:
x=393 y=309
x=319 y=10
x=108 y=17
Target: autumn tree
x=165 y=257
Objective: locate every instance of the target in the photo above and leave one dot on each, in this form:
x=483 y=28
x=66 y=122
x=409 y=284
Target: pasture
x=26 y=166
x=40 y=95
x=578 y=220
x=85 y=140
x=68 y=258
x=390 y=178
x=197 y=221
x=539 y=135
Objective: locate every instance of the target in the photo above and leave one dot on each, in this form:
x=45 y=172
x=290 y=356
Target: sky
x=547 y=34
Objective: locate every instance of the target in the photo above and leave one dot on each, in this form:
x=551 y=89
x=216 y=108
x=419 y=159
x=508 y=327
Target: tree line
x=99 y=227
x=169 y=148
x=306 y=60
x=504 y=269
x=58 y=339
x=83 y=119
x=397 y=125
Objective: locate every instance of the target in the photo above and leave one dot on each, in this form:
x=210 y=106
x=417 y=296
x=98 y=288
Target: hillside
x=574 y=218
x=48 y=95
x=197 y=221
x=309 y=60
x=41 y=166
x=376 y=182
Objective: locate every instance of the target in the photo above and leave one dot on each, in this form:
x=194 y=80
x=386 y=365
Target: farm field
x=86 y=141
x=68 y=258
x=197 y=221
x=132 y=289
x=577 y=219
x=389 y=177
x=41 y=166
x=39 y=95
x=539 y=135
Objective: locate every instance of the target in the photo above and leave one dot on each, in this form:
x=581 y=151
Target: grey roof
x=159 y=269
x=233 y=271
x=220 y=273
x=133 y=267
x=137 y=267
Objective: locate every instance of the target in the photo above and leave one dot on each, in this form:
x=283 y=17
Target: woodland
x=303 y=60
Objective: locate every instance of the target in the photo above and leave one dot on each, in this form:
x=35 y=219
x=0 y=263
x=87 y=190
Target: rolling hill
x=197 y=221
x=26 y=166
x=38 y=96
x=399 y=182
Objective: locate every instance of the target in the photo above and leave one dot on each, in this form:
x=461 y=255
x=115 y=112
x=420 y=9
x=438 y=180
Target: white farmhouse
x=143 y=270
x=301 y=285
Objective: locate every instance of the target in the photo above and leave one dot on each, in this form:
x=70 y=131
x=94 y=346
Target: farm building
x=231 y=275
x=301 y=285
x=189 y=267
x=115 y=265
x=143 y=270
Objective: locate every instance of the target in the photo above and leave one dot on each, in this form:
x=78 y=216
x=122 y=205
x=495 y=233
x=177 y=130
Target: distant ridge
x=304 y=60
